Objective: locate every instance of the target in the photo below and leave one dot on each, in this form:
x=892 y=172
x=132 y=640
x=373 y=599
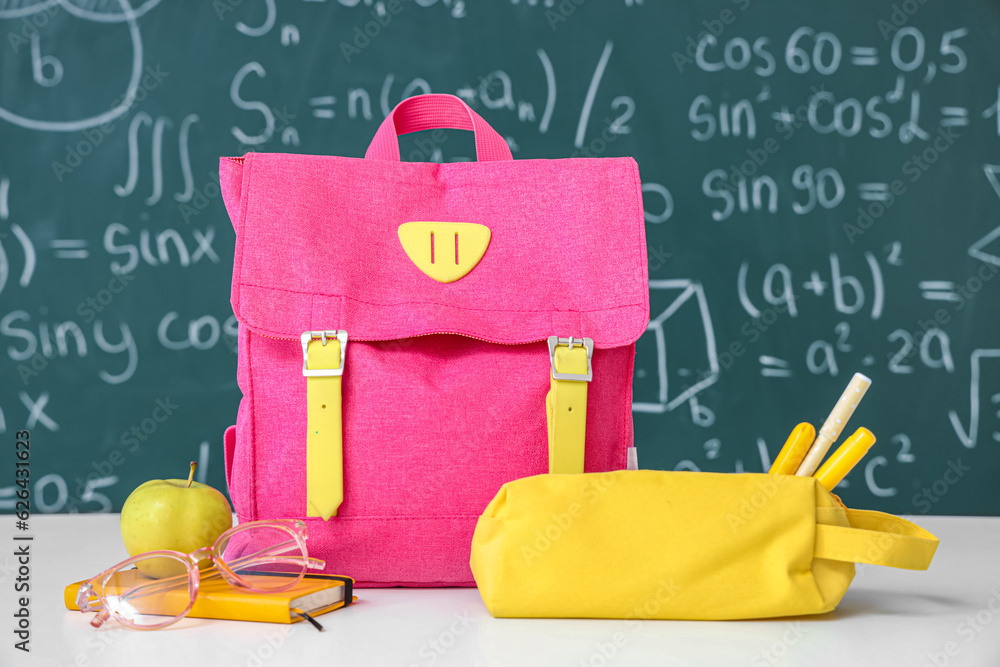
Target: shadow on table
x=873 y=602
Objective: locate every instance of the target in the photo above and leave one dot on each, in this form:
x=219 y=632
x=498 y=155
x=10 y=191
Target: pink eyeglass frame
x=296 y=529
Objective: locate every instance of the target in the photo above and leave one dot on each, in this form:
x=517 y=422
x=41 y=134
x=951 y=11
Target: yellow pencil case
x=647 y=544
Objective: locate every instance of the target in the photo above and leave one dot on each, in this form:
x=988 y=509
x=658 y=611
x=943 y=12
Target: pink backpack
x=414 y=335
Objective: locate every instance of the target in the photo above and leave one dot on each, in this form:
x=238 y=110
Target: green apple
x=175 y=514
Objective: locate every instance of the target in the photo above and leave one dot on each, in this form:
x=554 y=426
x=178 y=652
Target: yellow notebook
x=316 y=594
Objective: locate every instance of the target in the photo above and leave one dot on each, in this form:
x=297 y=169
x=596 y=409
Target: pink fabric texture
x=444 y=384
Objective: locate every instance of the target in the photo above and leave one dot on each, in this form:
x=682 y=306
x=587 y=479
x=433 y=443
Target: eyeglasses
x=158 y=588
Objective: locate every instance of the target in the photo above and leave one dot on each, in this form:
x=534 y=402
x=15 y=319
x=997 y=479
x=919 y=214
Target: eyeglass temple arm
x=312 y=563
x=157 y=586
x=270 y=555
x=181 y=581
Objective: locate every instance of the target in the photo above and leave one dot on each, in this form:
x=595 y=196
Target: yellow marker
x=834 y=424
x=794 y=450
x=845 y=458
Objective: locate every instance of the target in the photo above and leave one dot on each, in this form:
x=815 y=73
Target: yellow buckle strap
x=323 y=354
x=566 y=402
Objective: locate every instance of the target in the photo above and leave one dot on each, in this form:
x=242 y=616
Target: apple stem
x=194 y=464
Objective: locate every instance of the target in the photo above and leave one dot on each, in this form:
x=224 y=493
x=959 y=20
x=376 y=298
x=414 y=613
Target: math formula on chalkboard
x=821 y=188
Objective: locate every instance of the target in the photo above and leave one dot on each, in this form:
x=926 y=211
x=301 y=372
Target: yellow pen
x=845 y=458
x=794 y=451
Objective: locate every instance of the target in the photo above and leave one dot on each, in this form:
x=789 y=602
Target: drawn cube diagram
x=676 y=357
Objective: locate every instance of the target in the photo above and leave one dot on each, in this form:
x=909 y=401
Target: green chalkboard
x=821 y=184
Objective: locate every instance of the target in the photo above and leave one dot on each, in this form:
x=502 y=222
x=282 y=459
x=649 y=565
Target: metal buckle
x=588 y=344
x=308 y=336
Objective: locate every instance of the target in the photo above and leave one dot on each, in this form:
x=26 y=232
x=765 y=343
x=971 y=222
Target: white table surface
x=888 y=617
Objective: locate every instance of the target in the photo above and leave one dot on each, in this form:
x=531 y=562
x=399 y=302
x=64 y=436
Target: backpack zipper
x=429 y=333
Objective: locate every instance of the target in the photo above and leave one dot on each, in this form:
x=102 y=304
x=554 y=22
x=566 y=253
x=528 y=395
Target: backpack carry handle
x=434 y=111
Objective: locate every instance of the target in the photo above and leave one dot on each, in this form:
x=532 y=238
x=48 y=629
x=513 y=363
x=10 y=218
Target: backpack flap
x=319 y=247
